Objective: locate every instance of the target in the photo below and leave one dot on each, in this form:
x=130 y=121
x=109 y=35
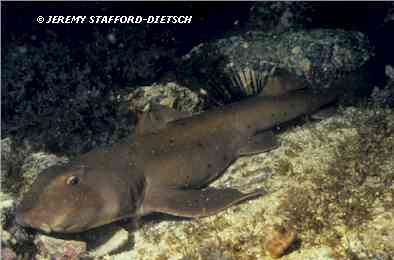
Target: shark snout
x=25 y=222
x=35 y=218
x=29 y=218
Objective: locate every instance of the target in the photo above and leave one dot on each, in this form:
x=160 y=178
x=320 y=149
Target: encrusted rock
x=7 y=253
x=35 y=163
x=376 y=241
x=5 y=156
x=109 y=241
x=237 y=66
x=279 y=239
x=58 y=248
x=170 y=94
x=7 y=203
x=385 y=96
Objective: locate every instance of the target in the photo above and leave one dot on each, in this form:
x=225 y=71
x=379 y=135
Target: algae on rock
x=238 y=66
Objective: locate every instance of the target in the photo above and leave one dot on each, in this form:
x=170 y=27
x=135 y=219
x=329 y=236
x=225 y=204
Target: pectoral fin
x=259 y=143
x=157 y=118
x=193 y=203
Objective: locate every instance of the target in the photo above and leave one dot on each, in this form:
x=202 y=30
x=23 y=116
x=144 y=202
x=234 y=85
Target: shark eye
x=73 y=180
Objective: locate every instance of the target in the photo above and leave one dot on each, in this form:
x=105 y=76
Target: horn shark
x=167 y=166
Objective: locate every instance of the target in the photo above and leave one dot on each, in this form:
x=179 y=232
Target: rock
x=12 y=157
x=7 y=203
x=376 y=241
x=109 y=241
x=7 y=253
x=278 y=240
x=390 y=73
x=6 y=238
x=18 y=241
x=58 y=248
x=390 y=14
x=19 y=169
x=12 y=235
x=95 y=243
x=385 y=96
x=238 y=66
x=5 y=156
x=170 y=94
x=35 y=163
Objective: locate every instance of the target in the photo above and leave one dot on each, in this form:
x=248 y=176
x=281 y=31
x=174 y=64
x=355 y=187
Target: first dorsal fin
x=157 y=118
x=282 y=82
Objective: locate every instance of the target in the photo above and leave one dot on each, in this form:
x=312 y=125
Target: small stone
x=389 y=72
x=296 y=50
x=306 y=65
x=110 y=242
x=7 y=254
x=168 y=101
x=6 y=201
x=279 y=240
x=59 y=248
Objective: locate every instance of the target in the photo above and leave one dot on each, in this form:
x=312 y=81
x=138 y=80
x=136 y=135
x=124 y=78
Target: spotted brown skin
x=166 y=169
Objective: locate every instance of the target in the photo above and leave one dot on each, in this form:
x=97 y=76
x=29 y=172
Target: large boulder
x=238 y=66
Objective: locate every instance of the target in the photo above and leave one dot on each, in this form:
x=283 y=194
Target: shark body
x=166 y=168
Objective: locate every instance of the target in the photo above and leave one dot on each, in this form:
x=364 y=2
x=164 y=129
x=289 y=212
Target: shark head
x=73 y=198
